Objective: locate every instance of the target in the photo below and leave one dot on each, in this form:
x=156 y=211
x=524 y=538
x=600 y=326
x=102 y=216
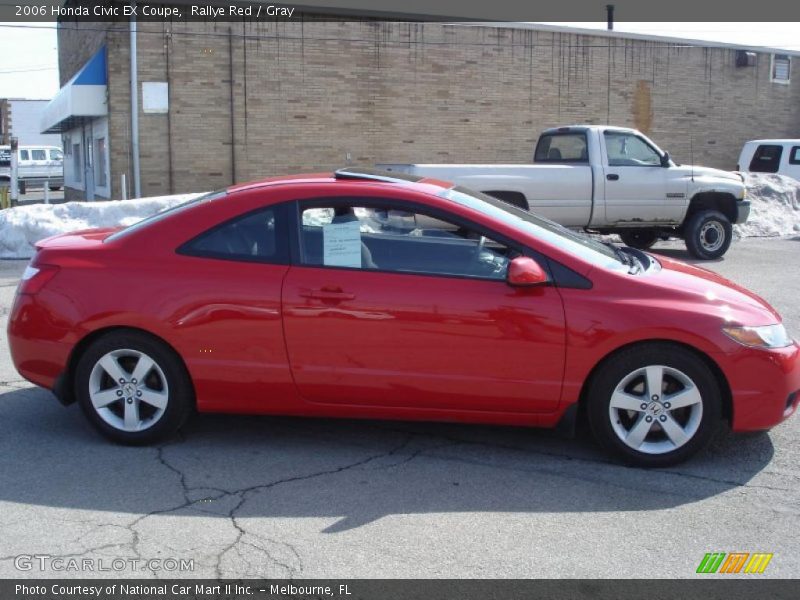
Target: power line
x=27 y=70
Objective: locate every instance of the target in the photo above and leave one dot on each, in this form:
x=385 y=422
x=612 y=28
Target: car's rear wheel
x=642 y=239
x=133 y=388
x=654 y=405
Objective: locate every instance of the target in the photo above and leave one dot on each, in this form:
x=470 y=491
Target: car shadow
x=682 y=254
x=353 y=472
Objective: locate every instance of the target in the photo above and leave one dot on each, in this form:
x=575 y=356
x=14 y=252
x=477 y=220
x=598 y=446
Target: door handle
x=327 y=293
x=612 y=177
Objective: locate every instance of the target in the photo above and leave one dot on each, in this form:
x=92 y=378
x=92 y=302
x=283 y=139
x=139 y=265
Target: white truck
x=611 y=180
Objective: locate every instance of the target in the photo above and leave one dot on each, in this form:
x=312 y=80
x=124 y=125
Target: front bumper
x=765 y=386
x=742 y=211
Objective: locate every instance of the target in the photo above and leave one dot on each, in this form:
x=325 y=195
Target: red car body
x=371 y=344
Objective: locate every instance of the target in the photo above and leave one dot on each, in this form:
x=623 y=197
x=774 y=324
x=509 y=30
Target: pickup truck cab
x=611 y=180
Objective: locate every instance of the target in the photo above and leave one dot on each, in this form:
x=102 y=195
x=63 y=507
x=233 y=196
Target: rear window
x=562 y=147
x=767 y=159
x=159 y=216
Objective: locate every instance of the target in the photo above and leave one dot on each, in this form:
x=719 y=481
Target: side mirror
x=665 y=160
x=523 y=271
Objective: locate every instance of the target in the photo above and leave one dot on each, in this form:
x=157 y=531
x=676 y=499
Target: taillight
x=34 y=278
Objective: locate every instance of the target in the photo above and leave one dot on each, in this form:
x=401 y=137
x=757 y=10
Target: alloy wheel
x=656 y=409
x=128 y=390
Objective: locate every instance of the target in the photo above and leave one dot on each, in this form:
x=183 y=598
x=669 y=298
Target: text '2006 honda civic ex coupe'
x=368 y=295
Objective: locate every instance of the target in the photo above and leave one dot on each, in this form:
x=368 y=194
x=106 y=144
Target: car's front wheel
x=708 y=234
x=133 y=388
x=654 y=405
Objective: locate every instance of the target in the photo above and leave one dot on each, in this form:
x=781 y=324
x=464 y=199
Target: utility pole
x=14 y=171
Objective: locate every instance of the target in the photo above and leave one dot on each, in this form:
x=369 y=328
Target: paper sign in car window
x=342 y=244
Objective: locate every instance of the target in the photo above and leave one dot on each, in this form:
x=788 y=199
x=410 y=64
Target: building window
x=100 y=175
x=77 y=168
x=781 y=68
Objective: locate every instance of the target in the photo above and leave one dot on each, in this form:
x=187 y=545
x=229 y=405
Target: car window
x=387 y=239
x=794 y=157
x=56 y=155
x=23 y=155
x=629 y=150
x=562 y=147
x=579 y=244
x=38 y=155
x=767 y=158
x=259 y=236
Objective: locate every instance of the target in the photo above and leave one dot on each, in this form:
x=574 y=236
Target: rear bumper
x=765 y=386
x=38 y=342
x=742 y=211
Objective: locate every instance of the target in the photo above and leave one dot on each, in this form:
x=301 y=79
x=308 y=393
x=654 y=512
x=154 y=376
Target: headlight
x=766 y=336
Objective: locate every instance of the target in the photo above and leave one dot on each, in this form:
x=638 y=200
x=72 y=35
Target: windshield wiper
x=623 y=258
x=626 y=259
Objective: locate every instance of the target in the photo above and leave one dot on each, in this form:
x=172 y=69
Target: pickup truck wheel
x=641 y=239
x=708 y=234
x=654 y=405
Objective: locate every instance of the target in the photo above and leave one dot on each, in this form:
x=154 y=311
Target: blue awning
x=82 y=98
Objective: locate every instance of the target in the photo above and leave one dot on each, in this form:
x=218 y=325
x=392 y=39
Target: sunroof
x=370 y=174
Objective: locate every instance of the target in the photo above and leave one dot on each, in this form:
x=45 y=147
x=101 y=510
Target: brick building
x=229 y=102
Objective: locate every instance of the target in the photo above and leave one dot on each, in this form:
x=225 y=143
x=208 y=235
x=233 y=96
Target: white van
x=771 y=156
x=36 y=164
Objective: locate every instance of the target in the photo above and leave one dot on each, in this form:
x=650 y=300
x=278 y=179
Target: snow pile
x=775 y=211
x=774 y=206
x=22 y=226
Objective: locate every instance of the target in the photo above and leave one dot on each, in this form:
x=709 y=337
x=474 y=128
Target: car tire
x=133 y=388
x=643 y=239
x=708 y=234
x=631 y=405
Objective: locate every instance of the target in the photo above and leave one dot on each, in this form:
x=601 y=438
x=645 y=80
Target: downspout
x=233 y=119
x=167 y=48
x=137 y=185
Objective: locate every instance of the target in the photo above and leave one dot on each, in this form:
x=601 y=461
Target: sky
x=29 y=54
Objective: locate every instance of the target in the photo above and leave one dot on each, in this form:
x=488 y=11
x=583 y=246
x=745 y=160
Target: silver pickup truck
x=611 y=180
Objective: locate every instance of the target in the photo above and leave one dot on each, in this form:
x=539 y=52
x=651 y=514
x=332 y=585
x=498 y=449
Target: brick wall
x=305 y=96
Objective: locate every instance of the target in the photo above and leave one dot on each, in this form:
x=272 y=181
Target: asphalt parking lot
x=280 y=497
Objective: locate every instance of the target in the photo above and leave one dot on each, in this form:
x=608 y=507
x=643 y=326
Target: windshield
x=583 y=246
x=164 y=213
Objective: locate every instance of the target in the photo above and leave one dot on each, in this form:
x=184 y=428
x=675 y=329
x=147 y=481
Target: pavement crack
x=245 y=493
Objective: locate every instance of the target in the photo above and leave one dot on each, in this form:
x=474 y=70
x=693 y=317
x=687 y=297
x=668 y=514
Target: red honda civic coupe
x=367 y=295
